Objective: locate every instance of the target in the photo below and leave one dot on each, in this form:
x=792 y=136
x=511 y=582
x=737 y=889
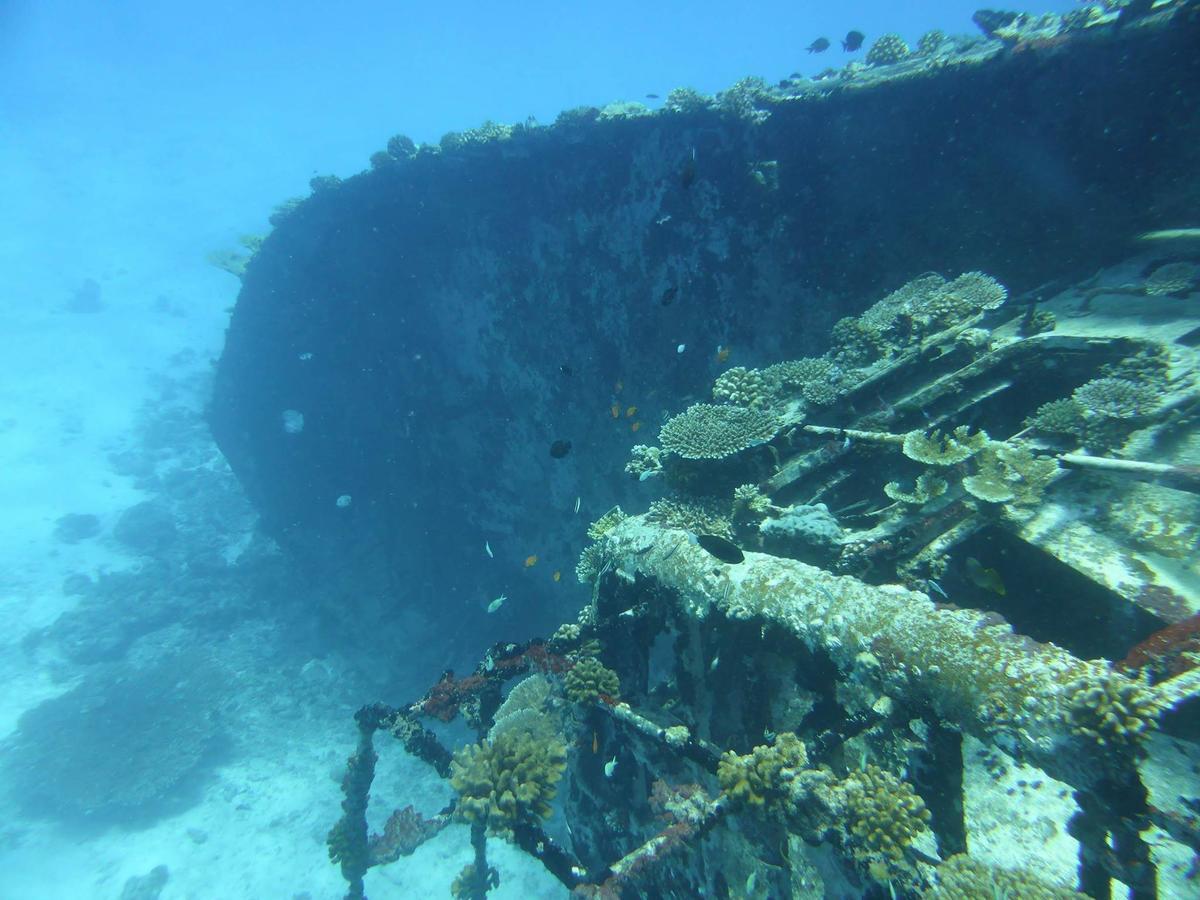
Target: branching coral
x=701 y=517
x=1149 y=366
x=401 y=146
x=1115 y=398
x=817 y=378
x=606 y=523
x=743 y=387
x=1059 y=417
x=856 y=342
x=765 y=773
x=747 y=498
x=744 y=99
x=591 y=563
x=645 y=461
x=705 y=431
x=686 y=100
x=506 y=781
x=955 y=302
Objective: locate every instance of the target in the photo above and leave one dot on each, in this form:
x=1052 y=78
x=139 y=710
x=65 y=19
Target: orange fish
x=722 y=354
x=631 y=412
x=557 y=576
x=616 y=411
x=531 y=561
x=635 y=426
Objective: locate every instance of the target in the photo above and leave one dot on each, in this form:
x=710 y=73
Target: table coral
x=1115 y=398
x=937 y=449
x=706 y=431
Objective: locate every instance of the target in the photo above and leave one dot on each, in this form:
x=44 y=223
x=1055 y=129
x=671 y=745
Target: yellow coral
x=885 y=814
x=1112 y=709
x=508 y=780
x=962 y=878
x=589 y=679
x=764 y=773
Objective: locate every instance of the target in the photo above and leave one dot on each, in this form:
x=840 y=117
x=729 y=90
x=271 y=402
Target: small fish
x=610 y=767
x=1171 y=234
x=557 y=576
x=635 y=426
x=820 y=45
x=652 y=96
x=497 y=603
x=668 y=296
x=722 y=353
x=987 y=579
x=934 y=586
x=531 y=561
x=662 y=220
x=595 y=742
x=687 y=175
x=576 y=506
x=631 y=412
x=712 y=666
x=618 y=387
x=725 y=551
x=566 y=371
x=559 y=449
x=853 y=41
x=680 y=348
x=487 y=548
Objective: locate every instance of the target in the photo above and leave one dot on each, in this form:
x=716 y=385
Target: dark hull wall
x=439 y=296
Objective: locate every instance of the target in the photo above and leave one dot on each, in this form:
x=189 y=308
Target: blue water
x=136 y=138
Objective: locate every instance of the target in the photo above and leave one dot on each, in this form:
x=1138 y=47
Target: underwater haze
x=599 y=450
